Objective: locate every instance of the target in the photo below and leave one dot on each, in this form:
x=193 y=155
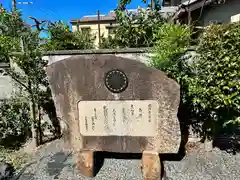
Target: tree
x=31 y=77
x=27 y=67
x=10 y=28
x=135 y=29
x=39 y=24
x=62 y=38
x=123 y=3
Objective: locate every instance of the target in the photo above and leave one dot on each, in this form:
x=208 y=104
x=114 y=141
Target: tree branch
x=21 y=83
x=14 y=78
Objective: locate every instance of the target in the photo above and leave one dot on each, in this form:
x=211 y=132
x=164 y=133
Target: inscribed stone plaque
x=118 y=118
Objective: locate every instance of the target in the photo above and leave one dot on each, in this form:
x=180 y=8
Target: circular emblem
x=116 y=81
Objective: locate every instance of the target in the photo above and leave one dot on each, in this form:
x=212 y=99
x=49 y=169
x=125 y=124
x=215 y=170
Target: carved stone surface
x=118 y=118
x=85 y=163
x=116 y=81
x=81 y=79
x=151 y=166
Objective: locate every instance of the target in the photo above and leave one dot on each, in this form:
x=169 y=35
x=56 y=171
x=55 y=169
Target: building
x=205 y=12
x=94 y=23
x=107 y=23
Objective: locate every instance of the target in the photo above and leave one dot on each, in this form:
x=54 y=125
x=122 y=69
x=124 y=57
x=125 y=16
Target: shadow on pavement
x=22 y=175
x=228 y=140
x=56 y=164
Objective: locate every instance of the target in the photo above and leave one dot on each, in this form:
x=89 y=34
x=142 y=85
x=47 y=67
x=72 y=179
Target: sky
x=65 y=10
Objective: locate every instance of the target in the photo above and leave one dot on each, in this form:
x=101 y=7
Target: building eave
x=74 y=22
x=191 y=6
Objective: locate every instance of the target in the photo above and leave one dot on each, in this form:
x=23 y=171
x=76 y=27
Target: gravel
x=51 y=163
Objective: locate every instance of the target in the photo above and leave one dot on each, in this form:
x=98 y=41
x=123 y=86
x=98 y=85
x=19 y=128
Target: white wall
x=143 y=57
x=222 y=12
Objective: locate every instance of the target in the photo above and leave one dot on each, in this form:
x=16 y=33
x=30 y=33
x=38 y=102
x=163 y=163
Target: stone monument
x=116 y=104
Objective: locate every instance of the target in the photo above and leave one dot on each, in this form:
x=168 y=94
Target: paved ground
x=52 y=163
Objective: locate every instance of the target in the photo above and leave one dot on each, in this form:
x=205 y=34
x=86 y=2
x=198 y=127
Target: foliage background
x=62 y=38
x=14 y=122
x=136 y=29
x=209 y=77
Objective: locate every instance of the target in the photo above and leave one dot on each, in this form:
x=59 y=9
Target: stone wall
x=139 y=54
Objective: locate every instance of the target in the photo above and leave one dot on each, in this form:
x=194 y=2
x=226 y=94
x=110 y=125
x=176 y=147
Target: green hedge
x=210 y=86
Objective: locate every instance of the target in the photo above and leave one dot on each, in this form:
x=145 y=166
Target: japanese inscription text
x=118 y=118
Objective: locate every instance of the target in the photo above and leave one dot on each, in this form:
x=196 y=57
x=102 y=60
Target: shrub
x=14 y=122
x=169 y=56
x=210 y=87
x=169 y=50
x=216 y=88
x=172 y=42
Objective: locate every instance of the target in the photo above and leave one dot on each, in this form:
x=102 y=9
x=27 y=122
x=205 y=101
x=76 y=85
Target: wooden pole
x=99 y=30
x=189 y=17
x=14 y=5
x=78 y=26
